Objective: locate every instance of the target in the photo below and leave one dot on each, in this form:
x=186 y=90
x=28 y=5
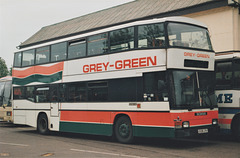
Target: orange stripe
x=225 y=121
x=139 y=118
x=43 y=70
x=85 y=116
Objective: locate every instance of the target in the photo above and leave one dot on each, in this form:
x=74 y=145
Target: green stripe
x=87 y=128
x=38 y=78
x=107 y=129
x=145 y=131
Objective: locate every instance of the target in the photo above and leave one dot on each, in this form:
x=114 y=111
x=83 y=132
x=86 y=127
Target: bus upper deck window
x=151 y=36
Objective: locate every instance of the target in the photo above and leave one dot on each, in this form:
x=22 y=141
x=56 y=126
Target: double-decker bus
x=5 y=99
x=150 y=78
x=228 y=92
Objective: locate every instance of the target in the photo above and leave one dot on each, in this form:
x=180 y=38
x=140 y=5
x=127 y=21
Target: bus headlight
x=185 y=124
x=214 y=121
x=9 y=113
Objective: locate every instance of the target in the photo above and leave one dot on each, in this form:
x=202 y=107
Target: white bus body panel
x=227 y=101
x=176 y=57
x=113 y=64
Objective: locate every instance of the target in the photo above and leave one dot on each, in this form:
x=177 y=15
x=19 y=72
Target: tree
x=10 y=71
x=3 y=68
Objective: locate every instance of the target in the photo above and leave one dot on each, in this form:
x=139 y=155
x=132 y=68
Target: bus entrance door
x=54 y=109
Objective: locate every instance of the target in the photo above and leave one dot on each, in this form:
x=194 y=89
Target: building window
x=77 y=49
x=28 y=57
x=42 y=55
x=151 y=36
x=122 y=39
x=17 y=59
x=97 y=44
x=59 y=51
x=98 y=91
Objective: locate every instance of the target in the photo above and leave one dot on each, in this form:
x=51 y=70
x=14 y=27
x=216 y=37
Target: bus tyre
x=123 y=130
x=42 y=124
x=236 y=128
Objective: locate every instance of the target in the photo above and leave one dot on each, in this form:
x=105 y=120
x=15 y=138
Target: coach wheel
x=123 y=130
x=42 y=124
x=236 y=129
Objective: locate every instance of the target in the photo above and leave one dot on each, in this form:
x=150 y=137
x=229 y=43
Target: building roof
x=136 y=10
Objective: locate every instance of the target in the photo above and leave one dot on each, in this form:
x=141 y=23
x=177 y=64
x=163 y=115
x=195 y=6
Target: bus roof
x=156 y=20
x=129 y=12
x=227 y=55
x=6 y=78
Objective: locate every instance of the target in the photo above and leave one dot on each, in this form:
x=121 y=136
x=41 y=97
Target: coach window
x=62 y=92
x=77 y=49
x=17 y=59
x=97 y=44
x=42 y=55
x=28 y=57
x=151 y=36
x=122 y=39
x=98 y=91
x=224 y=75
x=127 y=91
x=77 y=92
x=30 y=93
x=237 y=73
x=42 y=94
x=18 y=93
x=59 y=51
x=54 y=95
x=155 y=86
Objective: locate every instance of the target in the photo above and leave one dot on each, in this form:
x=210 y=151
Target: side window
x=124 y=89
x=62 y=89
x=30 y=93
x=42 y=55
x=122 y=39
x=97 y=44
x=151 y=36
x=42 y=94
x=77 y=49
x=237 y=73
x=59 y=51
x=97 y=91
x=77 y=92
x=18 y=93
x=224 y=74
x=155 y=86
x=28 y=57
x=17 y=59
x=54 y=95
x=1 y=92
x=7 y=93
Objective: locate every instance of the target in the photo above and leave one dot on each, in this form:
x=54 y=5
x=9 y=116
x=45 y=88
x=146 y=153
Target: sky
x=20 y=19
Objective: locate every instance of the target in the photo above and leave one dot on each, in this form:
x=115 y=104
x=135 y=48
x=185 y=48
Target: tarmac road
x=24 y=141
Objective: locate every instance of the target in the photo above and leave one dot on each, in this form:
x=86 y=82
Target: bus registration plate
x=200 y=131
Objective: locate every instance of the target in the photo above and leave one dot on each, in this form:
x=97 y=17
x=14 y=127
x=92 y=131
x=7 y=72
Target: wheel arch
x=41 y=113
x=120 y=115
x=236 y=117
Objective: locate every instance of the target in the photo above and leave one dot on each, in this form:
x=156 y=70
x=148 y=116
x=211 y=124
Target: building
x=221 y=16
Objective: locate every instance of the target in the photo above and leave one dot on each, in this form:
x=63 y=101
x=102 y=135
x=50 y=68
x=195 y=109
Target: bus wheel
x=123 y=130
x=42 y=124
x=236 y=128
